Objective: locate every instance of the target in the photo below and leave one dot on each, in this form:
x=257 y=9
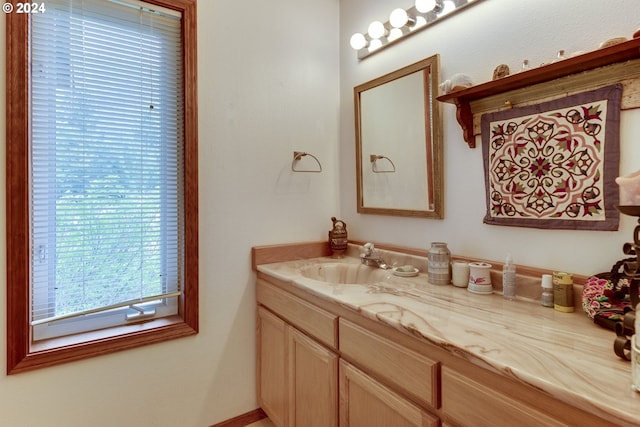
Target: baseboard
x=244 y=419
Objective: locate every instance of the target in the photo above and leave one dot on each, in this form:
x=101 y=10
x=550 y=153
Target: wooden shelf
x=463 y=99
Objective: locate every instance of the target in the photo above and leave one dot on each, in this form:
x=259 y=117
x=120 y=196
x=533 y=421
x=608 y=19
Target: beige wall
x=475 y=42
x=268 y=85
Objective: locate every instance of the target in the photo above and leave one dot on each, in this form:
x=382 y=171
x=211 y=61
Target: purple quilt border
x=613 y=95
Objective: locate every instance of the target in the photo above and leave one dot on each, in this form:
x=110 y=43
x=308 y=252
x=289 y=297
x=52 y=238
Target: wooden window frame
x=22 y=353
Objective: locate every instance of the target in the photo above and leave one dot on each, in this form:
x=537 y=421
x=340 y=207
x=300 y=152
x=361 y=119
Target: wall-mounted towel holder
x=374 y=165
x=297 y=155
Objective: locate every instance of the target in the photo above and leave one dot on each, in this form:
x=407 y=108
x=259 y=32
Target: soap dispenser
x=338 y=237
x=509 y=279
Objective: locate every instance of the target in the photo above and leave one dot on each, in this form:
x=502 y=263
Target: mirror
x=399 y=142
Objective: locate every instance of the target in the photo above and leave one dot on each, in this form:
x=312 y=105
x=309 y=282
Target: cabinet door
x=367 y=403
x=271 y=366
x=313 y=382
x=467 y=402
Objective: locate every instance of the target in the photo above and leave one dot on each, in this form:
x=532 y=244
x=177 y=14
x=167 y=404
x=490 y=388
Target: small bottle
x=509 y=279
x=547 y=291
x=563 y=292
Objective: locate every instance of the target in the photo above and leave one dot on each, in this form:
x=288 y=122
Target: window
x=101 y=178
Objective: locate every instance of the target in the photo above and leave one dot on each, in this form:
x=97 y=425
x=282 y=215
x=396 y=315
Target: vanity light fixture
x=403 y=22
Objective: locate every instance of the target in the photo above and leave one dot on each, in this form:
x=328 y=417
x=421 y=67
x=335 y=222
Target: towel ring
x=374 y=158
x=297 y=155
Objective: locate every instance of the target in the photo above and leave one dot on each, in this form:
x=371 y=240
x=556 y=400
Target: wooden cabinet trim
x=315 y=321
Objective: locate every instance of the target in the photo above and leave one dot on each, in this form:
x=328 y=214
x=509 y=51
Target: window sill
x=81 y=346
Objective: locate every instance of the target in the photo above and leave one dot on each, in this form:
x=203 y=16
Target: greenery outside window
x=101 y=178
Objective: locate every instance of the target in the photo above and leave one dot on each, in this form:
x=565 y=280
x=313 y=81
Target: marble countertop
x=562 y=354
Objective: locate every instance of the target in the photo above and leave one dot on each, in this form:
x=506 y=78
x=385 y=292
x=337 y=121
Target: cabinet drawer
x=318 y=323
x=470 y=403
x=405 y=370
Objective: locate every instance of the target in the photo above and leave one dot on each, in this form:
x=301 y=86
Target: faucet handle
x=368 y=249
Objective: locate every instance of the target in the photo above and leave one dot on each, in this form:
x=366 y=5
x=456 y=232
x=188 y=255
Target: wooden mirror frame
x=430 y=67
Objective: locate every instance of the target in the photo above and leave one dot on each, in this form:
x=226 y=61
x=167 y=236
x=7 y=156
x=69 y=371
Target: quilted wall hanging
x=553 y=165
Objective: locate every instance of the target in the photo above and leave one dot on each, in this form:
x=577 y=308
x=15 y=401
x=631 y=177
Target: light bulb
x=358 y=41
x=424 y=6
x=375 y=44
x=448 y=6
x=398 y=18
x=376 y=30
x=420 y=22
x=394 y=34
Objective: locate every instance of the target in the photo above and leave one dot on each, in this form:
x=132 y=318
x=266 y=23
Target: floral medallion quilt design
x=553 y=164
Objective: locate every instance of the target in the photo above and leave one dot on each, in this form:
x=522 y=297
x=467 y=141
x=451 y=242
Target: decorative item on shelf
x=613 y=41
x=338 y=238
x=460 y=273
x=560 y=56
x=500 y=71
x=525 y=65
x=374 y=165
x=439 y=259
x=480 y=278
x=455 y=83
x=629 y=186
x=297 y=155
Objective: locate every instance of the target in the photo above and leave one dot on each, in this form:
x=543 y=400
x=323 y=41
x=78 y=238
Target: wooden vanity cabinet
x=320 y=364
x=297 y=376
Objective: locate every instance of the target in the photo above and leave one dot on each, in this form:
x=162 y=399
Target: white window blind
x=106 y=163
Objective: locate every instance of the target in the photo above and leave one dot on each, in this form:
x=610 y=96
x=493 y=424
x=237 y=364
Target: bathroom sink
x=341 y=273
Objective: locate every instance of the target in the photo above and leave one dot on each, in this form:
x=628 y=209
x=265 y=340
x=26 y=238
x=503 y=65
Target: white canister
x=480 y=278
x=460 y=273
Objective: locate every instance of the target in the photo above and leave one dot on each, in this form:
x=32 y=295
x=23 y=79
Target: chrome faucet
x=371 y=258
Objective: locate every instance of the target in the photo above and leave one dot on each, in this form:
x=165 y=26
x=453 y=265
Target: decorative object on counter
x=509 y=279
x=629 y=186
x=439 y=259
x=456 y=82
x=460 y=273
x=605 y=296
x=501 y=71
x=553 y=165
x=613 y=41
x=627 y=327
x=297 y=155
x=525 y=65
x=480 y=278
x=563 y=292
x=547 y=291
x=374 y=165
x=338 y=238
